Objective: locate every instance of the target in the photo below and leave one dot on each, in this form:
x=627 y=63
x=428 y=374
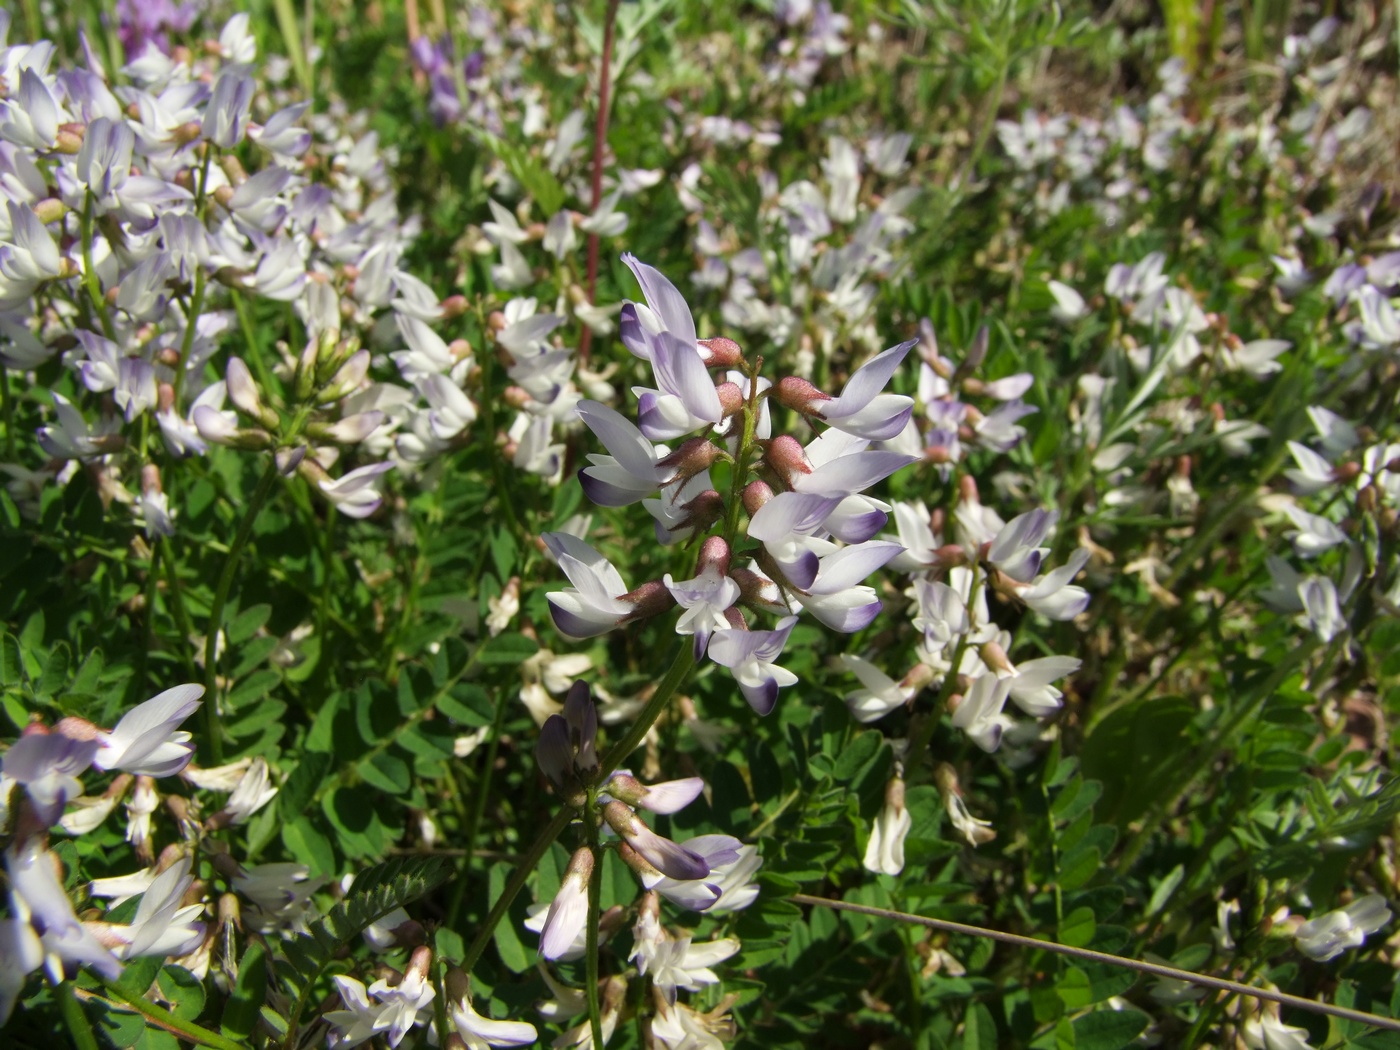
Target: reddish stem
x=600 y=138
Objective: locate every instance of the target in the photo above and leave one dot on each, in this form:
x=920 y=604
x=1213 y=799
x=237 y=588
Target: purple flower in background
x=143 y=22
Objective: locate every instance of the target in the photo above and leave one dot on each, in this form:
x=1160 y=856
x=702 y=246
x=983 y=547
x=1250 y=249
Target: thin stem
x=7 y=406
x=79 y=1028
x=216 y=611
x=600 y=136
x=680 y=667
x=187 y=341
x=90 y=281
x=515 y=884
x=162 y=1018
x=1089 y=955
x=483 y=789
x=590 y=956
x=918 y=744
x=177 y=606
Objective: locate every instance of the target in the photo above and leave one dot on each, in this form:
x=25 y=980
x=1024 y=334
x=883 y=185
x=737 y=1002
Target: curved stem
x=680 y=667
x=90 y=281
x=1089 y=955
x=483 y=788
x=595 y=892
x=600 y=136
x=515 y=884
x=216 y=611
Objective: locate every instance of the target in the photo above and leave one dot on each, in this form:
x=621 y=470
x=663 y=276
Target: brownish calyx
x=798 y=394
x=720 y=352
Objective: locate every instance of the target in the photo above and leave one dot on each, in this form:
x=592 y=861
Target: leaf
x=246 y=623
x=1074 y=988
x=375 y=893
x=503 y=553
x=853 y=758
x=508 y=945
x=467 y=704
x=1078 y=927
x=508 y=649
x=1152 y=732
x=241 y=1010
x=11 y=666
x=1108 y=1029
x=979 y=1030
x=301 y=786
x=307 y=845
x=139 y=974
x=1162 y=892
x=183 y=991
x=55 y=675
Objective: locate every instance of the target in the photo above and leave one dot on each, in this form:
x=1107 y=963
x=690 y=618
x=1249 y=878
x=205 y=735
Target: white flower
x=1327 y=936
x=1069 y=304
x=481 y=1032
x=252 y=793
x=145 y=741
x=1269 y=1033
x=885 y=851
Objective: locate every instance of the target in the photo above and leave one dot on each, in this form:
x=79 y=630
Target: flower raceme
x=806 y=505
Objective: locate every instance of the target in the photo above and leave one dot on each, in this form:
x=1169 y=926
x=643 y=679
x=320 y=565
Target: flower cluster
x=136 y=241
x=39 y=777
x=708 y=873
x=807 y=508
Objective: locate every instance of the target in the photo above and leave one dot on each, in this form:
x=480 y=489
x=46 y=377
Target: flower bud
x=691 y=457
x=798 y=394
x=663 y=854
x=787 y=457
x=731 y=399
x=242 y=391
x=650 y=599
x=755 y=495
x=720 y=352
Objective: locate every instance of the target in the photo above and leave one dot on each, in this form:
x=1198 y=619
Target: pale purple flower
x=634 y=469
x=862 y=409
x=1327 y=936
x=146 y=741
x=595 y=604
x=1053 y=596
x=751 y=656
x=980 y=716
x=226 y=117
x=37 y=898
x=47 y=764
x=661 y=853
x=354 y=493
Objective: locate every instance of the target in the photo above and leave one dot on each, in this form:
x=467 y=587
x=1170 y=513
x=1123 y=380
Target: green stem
x=187 y=341
x=515 y=884
x=590 y=980
x=680 y=667
x=90 y=281
x=919 y=742
x=165 y=1019
x=74 y=1019
x=177 y=607
x=483 y=789
x=216 y=611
